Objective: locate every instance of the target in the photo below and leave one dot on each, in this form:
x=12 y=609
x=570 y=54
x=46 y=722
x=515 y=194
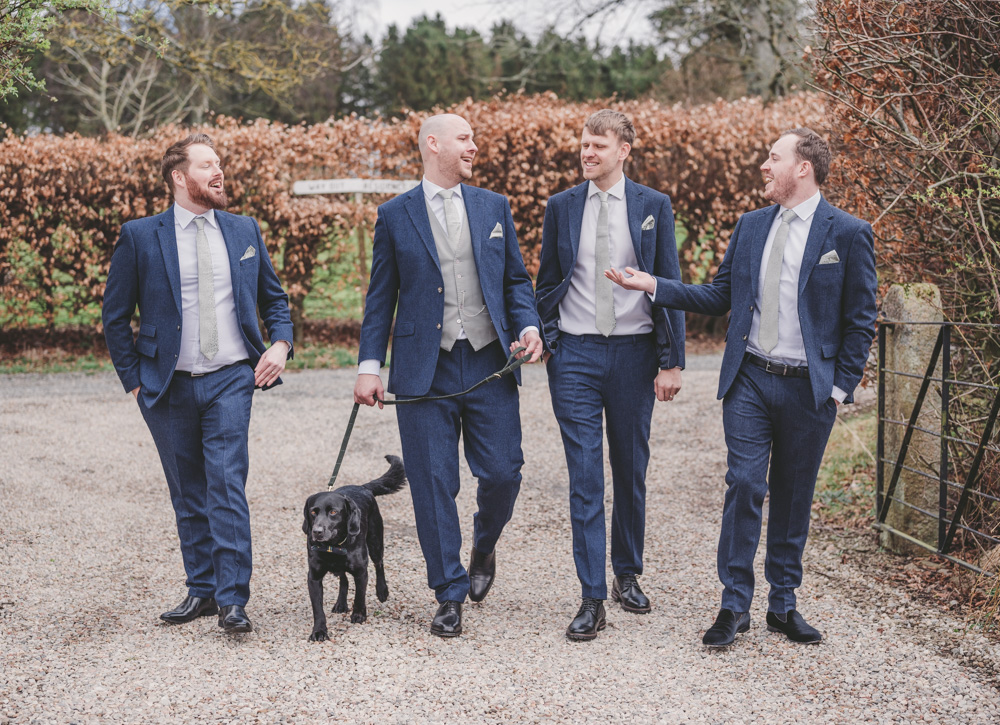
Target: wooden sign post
x=358 y=187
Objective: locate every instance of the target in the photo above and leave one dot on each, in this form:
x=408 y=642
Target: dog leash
x=512 y=364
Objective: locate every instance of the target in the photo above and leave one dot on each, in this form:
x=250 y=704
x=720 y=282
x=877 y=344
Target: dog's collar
x=335 y=549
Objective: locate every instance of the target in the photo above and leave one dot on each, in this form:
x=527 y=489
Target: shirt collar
x=183 y=217
x=807 y=208
x=431 y=189
x=617 y=191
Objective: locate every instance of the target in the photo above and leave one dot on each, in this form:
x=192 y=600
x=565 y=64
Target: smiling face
x=788 y=180
x=450 y=150
x=602 y=158
x=201 y=186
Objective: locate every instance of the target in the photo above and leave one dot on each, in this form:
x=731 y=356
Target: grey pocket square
x=830 y=257
x=497 y=231
x=649 y=223
x=251 y=252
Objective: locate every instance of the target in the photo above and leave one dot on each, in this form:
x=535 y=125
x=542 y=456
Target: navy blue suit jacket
x=837 y=307
x=655 y=250
x=406 y=281
x=145 y=271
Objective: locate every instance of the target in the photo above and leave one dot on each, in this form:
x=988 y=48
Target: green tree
x=429 y=66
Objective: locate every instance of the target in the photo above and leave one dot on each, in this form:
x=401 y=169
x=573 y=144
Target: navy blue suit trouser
x=200 y=427
x=488 y=421
x=591 y=375
x=776 y=438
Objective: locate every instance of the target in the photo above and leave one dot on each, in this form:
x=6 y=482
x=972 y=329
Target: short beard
x=208 y=199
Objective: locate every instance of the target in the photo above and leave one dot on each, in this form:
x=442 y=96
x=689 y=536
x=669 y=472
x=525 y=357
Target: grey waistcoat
x=464 y=306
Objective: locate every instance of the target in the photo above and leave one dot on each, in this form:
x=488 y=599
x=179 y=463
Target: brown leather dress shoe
x=190 y=609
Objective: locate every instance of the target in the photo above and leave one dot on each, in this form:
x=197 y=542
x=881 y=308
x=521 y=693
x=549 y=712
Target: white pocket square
x=497 y=231
x=649 y=223
x=830 y=257
x=249 y=253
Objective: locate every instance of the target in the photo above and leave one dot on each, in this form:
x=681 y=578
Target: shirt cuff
x=838 y=394
x=526 y=330
x=652 y=295
x=369 y=367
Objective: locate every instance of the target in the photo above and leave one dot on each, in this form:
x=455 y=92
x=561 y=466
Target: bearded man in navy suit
x=799 y=282
x=607 y=354
x=199 y=277
x=446 y=264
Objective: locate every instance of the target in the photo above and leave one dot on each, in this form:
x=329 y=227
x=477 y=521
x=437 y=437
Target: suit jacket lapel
x=476 y=215
x=822 y=219
x=634 y=204
x=416 y=207
x=231 y=237
x=759 y=234
x=577 y=202
x=168 y=247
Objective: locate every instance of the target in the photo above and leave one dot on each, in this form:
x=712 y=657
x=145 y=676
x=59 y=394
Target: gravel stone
x=89 y=559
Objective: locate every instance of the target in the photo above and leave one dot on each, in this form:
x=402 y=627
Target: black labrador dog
x=344 y=529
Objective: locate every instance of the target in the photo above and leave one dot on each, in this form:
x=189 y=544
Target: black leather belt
x=189 y=374
x=774 y=368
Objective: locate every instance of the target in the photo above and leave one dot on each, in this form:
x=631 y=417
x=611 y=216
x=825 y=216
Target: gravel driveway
x=88 y=560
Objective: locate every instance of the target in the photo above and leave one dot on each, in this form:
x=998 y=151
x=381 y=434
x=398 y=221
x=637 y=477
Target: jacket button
x=440 y=290
x=439 y=326
x=744 y=337
x=751 y=308
x=178 y=327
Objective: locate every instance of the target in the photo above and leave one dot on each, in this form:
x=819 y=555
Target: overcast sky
x=530 y=16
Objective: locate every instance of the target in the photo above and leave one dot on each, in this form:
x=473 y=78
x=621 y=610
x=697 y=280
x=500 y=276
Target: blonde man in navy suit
x=799 y=282
x=607 y=353
x=446 y=264
x=199 y=276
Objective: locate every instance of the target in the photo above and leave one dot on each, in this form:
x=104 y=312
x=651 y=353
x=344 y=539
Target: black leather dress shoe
x=727 y=625
x=625 y=590
x=482 y=571
x=232 y=618
x=793 y=626
x=447 y=621
x=191 y=608
x=588 y=621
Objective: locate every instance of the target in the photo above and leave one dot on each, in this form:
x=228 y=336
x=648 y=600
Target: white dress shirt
x=231 y=346
x=436 y=202
x=791 y=349
x=577 y=310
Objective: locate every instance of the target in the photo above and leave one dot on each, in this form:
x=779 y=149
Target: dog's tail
x=391 y=481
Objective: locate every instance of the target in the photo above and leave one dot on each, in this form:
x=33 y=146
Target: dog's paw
x=382 y=592
x=359 y=617
x=319 y=636
x=339 y=608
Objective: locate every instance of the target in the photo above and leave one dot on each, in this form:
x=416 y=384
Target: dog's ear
x=353 y=519
x=306 y=518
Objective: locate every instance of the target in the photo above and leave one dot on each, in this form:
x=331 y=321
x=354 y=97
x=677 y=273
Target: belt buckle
x=767 y=367
x=198 y=375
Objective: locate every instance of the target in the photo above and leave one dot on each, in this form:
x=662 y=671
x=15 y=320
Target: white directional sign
x=354 y=186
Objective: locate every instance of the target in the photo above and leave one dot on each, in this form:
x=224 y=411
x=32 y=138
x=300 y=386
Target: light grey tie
x=767 y=336
x=451 y=219
x=605 y=297
x=208 y=328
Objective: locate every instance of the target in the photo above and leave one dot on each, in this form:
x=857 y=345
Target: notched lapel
x=168 y=247
x=416 y=207
x=479 y=225
x=634 y=204
x=577 y=202
x=814 y=242
x=758 y=233
x=227 y=227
